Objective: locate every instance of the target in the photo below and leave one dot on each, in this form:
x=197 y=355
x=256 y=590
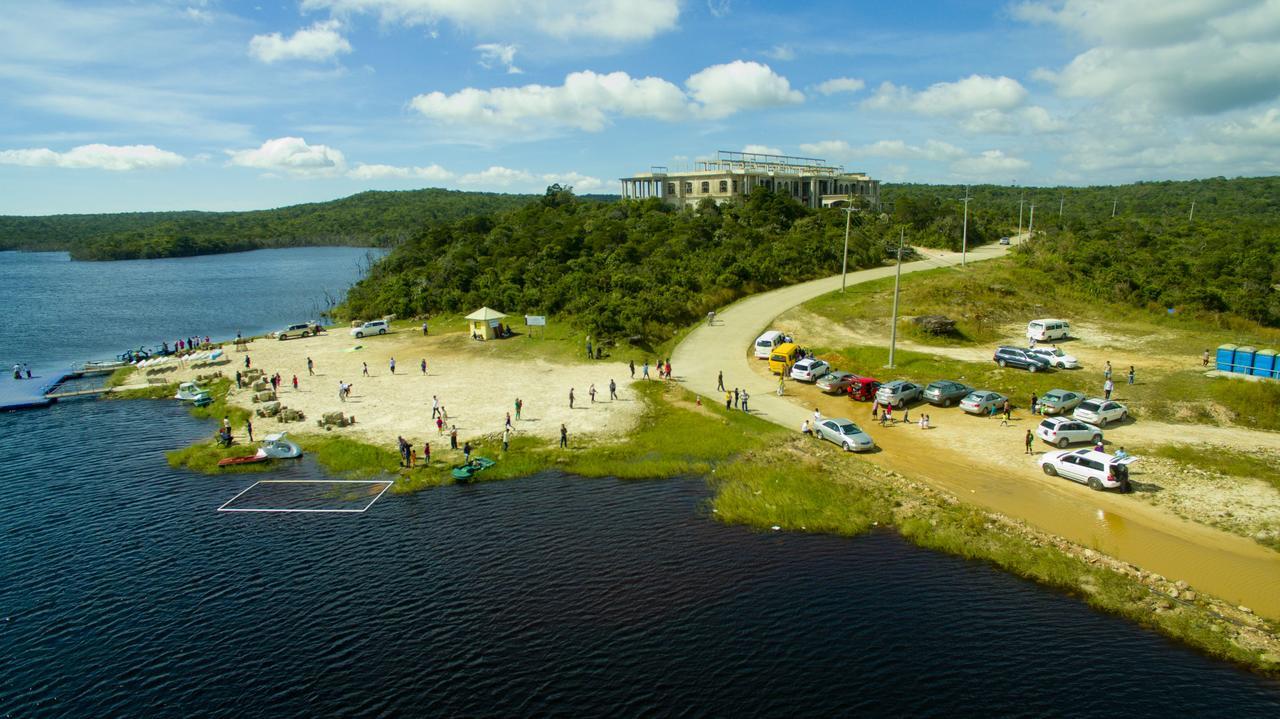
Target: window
x=671 y=188
x=688 y=188
x=706 y=187
x=735 y=186
x=724 y=186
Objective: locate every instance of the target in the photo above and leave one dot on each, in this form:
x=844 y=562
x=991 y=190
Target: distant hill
x=366 y=219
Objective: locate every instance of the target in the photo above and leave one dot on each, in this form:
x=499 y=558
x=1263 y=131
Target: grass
x=203 y=457
x=155 y=391
x=120 y=376
x=1223 y=461
x=348 y=458
x=790 y=495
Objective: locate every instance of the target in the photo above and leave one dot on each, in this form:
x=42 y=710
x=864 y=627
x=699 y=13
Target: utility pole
x=1061 y=200
x=1032 y=223
x=844 y=265
x=1191 y=216
x=1113 y=206
x=964 y=241
x=897 y=280
x=1020 y=201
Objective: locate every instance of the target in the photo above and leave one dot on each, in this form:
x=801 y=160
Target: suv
x=898 y=393
x=301 y=330
x=1017 y=357
x=1100 y=411
x=373 y=327
x=1060 y=431
x=1099 y=470
x=945 y=392
x=809 y=370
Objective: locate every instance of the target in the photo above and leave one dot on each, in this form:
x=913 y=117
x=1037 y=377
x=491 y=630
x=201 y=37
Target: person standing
x=720 y=381
x=745 y=397
x=248 y=427
x=424 y=328
x=402 y=447
x=238 y=385
x=1131 y=372
x=782 y=385
x=440 y=426
x=247 y=363
x=342 y=391
x=875 y=409
x=466 y=452
x=632 y=365
x=592 y=392
x=453 y=437
x=589 y=353
x=506 y=438
x=295 y=383
x=668 y=368
x=736 y=396
x=564 y=437
x=426 y=454
x=393 y=365
x=1107 y=387
x=570 y=398
x=519 y=406
x=435 y=406
x=644 y=370
x=424 y=365
x=1204 y=361
x=311 y=367
x=413 y=456
x=817 y=416
x=613 y=390
x=364 y=368
x=1106 y=371
x=728 y=399
x=1027 y=442
x=1034 y=402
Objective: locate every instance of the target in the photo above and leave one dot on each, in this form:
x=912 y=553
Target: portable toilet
x=1264 y=363
x=1244 y=360
x=1226 y=357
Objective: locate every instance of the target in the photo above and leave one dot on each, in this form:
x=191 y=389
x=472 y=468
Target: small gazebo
x=484 y=323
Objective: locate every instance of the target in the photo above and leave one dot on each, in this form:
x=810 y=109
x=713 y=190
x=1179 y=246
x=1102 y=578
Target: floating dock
x=42 y=389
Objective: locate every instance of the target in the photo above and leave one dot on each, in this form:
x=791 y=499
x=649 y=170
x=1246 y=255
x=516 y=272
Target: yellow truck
x=782 y=357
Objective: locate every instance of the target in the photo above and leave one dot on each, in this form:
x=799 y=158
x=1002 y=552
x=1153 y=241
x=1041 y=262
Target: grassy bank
x=120 y=376
x=203 y=457
x=1224 y=461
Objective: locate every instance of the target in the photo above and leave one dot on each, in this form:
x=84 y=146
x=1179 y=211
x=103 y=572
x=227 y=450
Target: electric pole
x=964 y=241
x=1020 y=201
x=1193 y=211
x=897 y=280
x=844 y=265
x=1032 y=222
x=1113 y=206
x=1061 y=200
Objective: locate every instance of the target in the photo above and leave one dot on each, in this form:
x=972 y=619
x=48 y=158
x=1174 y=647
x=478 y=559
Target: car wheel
x=283 y=337
x=1062 y=443
x=946 y=403
x=1031 y=368
x=359 y=335
x=1062 y=365
x=1049 y=470
x=1124 y=416
x=1097 y=438
x=1102 y=421
x=1095 y=484
x=1002 y=363
x=848 y=447
x=382 y=332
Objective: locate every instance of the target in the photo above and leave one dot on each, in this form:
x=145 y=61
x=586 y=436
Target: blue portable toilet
x=1244 y=360
x=1226 y=357
x=1264 y=363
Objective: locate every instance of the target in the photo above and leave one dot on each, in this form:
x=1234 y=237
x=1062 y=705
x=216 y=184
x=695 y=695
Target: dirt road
x=1229 y=566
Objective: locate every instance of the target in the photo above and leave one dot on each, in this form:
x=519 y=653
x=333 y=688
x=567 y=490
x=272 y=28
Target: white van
x=372 y=327
x=1048 y=330
x=766 y=342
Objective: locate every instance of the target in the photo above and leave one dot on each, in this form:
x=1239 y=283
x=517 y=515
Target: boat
x=464 y=472
x=191 y=392
x=274 y=446
x=246 y=459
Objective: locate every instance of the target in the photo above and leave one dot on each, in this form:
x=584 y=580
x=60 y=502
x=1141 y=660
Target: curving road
x=1227 y=565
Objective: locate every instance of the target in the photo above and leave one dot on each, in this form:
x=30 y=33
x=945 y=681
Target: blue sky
x=214 y=104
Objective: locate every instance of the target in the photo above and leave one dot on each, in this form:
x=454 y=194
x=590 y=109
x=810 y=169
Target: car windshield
x=975 y=397
x=1053 y=397
x=847 y=428
x=1090 y=406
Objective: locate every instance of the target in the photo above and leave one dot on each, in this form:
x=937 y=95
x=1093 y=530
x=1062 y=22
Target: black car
x=1020 y=358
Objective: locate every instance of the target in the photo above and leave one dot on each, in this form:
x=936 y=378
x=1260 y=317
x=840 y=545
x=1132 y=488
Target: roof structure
x=485 y=313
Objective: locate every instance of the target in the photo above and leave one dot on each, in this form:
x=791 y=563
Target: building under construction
x=732 y=175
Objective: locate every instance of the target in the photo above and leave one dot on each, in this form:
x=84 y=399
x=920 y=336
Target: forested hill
x=365 y=219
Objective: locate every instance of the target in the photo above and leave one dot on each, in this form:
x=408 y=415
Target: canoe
x=464 y=472
x=246 y=459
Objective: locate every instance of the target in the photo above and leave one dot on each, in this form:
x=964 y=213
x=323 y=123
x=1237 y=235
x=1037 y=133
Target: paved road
x=724 y=346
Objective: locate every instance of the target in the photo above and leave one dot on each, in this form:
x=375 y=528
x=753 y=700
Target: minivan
x=1047 y=330
x=783 y=357
x=766 y=342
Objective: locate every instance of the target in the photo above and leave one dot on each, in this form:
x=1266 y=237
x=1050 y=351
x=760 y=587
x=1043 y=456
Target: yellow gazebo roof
x=485 y=313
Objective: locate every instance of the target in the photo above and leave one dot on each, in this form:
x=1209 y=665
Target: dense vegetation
x=636 y=269
x=367 y=219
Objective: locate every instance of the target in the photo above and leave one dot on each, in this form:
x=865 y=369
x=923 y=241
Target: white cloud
x=781 y=53
x=434 y=173
x=719 y=8
x=497 y=176
x=624 y=20
x=1192 y=57
x=840 y=84
x=580 y=183
x=991 y=164
x=936 y=150
x=588 y=100
x=1032 y=119
x=291 y=155
x=321 y=41
x=493 y=53
x=1261 y=129
x=971 y=94
x=738 y=85
x=119 y=158
x=762 y=150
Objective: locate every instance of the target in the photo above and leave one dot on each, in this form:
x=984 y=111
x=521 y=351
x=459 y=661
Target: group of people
x=21 y=371
x=737 y=399
x=409 y=454
x=188 y=343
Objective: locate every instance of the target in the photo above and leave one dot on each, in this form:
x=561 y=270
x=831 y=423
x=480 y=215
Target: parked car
x=898 y=393
x=300 y=330
x=374 y=327
x=1059 y=401
x=1048 y=330
x=1099 y=470
x=1055 y=357
x=1004 y=240
x=766 y=342
x=1100 y=411
x=837 y=382
x=863 y=389
x=809 y=370
x=1018 y=357
x=981 y=401
x=1060 y=431
x=846 y=434
x=945 y=392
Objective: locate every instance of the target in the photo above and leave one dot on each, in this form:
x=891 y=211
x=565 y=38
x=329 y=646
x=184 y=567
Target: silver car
x=898 y=393
x=945 y=392
x=1059 y=401
x=836 y=382
x=846 y=434
x=982 y=401
x=1100 y=412
x=1060 y=432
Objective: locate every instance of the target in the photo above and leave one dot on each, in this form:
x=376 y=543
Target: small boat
x=246 y=459
x=277 y=446
x=464 y=472
x=190 y=392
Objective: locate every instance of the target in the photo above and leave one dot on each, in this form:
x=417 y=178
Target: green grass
x=349 y=458
x=203 y=457
x=155 y=391
x=120 y=376
x=1232 y=463
x=792 y=496
x=218 y=390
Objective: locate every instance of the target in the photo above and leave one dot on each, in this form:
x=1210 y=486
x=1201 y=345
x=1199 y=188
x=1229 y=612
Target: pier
x=42 y=389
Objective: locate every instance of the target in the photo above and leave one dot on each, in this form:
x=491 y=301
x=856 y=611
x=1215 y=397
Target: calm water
x=123 y=593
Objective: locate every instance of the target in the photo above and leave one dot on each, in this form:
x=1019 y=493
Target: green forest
x=368 y=219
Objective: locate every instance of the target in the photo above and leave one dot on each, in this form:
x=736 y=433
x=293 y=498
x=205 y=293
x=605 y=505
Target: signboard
x=535 y=320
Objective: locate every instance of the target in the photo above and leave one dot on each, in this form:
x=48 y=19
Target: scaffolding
x=755 y=162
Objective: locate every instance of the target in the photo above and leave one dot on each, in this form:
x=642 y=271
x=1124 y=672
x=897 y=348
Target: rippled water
x=124 y=593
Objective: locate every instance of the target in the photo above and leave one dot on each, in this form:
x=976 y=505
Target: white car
x=810 y=370
x=1099 y=470
x=1055 y=357
x=1060 y=432
x=374 y=327
x=846 y=434
x=1100 y=411
x=982 y=401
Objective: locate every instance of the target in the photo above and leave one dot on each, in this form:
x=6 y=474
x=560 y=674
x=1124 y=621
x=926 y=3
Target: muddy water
x=1231 y=567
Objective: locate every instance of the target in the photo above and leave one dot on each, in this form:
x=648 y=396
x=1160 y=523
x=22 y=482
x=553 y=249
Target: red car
x=863 y=389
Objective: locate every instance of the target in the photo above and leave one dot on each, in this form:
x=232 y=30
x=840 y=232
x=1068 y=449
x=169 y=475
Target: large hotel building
x=732 y=175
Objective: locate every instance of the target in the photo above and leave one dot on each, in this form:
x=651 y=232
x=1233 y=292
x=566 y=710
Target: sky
x=227 y=105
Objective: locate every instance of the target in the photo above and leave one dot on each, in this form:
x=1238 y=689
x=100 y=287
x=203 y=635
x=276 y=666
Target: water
x=123 y=593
